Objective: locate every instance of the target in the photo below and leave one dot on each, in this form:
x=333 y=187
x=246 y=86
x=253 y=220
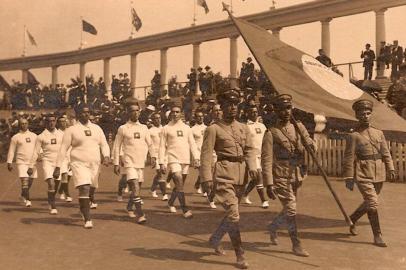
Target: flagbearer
x=366 y=159
x=283 y=169
x=231 y=140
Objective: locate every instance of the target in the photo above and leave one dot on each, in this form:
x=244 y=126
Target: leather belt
x=370 y=157
x=239 y=159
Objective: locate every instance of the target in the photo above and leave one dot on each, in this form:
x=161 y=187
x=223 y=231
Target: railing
x=351 y=72
x=330 y=154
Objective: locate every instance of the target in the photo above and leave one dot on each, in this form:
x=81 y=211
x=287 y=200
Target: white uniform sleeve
x=104 y=146
x=12 y=149
x=117 y=146
x=192 y=144
x=162 y=147
x=65 y=145
x=152 y=151
x=37 y=150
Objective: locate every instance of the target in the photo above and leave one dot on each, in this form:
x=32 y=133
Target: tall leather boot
x=297 y=248
x=358 y=213
x=215 y=238
x=235 y=237
x=376 y=228
x=274 y=226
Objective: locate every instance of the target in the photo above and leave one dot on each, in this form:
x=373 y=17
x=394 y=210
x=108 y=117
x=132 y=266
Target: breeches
x=369 y=192
x=228 y=196
x=283 y=190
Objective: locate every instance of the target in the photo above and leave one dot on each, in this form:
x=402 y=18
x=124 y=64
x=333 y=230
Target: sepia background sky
x=56 y=27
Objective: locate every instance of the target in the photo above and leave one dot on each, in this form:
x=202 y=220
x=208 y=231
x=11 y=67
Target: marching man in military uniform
x=283 y=169
x=366 y=159
x=232 y=143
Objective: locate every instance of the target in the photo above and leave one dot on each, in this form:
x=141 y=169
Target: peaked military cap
x=362 y=104
x=282 y=100
x=228 y=96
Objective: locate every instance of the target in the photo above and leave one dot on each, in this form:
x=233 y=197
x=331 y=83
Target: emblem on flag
x=136 y=20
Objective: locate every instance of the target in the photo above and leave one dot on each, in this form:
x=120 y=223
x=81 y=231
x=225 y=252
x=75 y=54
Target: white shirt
x=135 y=141
x=198 y=133
x=22 y=147
x=155 y=133
x=177 y=142
x=257 y=131
x=49 y=143
x=86 y=141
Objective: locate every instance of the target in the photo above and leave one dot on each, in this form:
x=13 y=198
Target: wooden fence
x=330 y=154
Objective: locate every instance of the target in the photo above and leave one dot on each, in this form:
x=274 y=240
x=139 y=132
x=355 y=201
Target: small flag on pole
x=136 y=20
x=203 y=4
x=31 y=38
x=87 y=27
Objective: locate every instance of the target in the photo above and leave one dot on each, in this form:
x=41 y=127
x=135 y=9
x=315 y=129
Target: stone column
x=54 y=76
x=196 y=55
x=325 y=36
x=24 y=76
x=133 y=73
x=276 y=31
x=380 y=35
x=163 y=67
x=106 y=77
x=82 y=72
x=233 y=61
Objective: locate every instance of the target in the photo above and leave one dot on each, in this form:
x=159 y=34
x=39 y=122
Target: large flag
x=314 y=87
x=203 y=4
x=31 y=80
x=31 y=38
x=87 y=27
x=136 y=20
x=4 y=84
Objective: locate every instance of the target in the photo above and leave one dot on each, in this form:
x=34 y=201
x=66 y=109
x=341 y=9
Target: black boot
x=215 y=238
x=358 y=213
x=376 y=228
x=274 y=226
x=297 y=248
x=235 y=237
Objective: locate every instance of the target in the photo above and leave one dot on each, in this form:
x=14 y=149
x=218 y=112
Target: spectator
x=324 y=59
x=369 y=56
x=397 y=60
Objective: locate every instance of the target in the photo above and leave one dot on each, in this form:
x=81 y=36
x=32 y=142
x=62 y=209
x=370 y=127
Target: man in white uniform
x=135 y=141
x=198 y=132
x=155 y=132
x=257 y=131
x=176 y=144
x=87 y=141
x=49 y=142
x=64 y=188
x=21 y=147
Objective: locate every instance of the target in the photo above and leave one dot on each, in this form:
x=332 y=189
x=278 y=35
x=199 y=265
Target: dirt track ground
x=32 y=239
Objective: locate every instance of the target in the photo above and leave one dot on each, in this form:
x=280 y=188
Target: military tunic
x=282 y=158
x=366 y=159
x=234 y=149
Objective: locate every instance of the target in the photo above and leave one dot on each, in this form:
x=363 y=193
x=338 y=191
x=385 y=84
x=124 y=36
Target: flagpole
x=24 y=41
x=132 y=35
x=307 y=147
x=231 y=6
x=81 y=32
x=194 y=12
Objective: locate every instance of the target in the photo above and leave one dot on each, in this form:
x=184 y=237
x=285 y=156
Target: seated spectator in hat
x=324 y=59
